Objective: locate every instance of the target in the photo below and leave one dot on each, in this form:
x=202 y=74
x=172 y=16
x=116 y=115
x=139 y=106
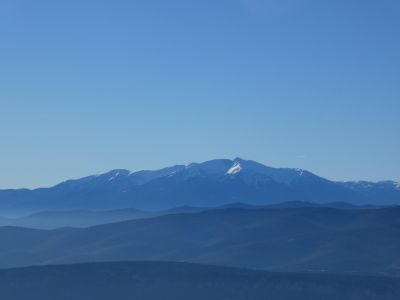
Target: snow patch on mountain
x=300 y=171
x=114 y=176
x=236 y=168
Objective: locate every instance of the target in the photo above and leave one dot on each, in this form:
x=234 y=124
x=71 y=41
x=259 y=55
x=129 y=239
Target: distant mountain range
x=208 y=184
x=182 y=281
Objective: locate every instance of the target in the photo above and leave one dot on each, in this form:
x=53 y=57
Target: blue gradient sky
x=87 y=86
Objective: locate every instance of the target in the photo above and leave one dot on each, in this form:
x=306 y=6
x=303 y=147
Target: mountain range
x=208 y=184
x=222 y=229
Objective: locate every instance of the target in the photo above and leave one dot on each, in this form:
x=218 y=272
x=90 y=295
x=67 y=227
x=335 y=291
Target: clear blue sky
x=91 y=85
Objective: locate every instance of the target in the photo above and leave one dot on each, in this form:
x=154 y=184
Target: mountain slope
x=211 y=183
x=289 y=239
x=87 y=218
x=75 y=218
x=175 y=281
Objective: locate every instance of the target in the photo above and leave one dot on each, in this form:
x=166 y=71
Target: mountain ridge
x=321 y=239
x=211 y=183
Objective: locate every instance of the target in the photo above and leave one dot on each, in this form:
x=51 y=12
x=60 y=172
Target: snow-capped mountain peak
x=210 y=183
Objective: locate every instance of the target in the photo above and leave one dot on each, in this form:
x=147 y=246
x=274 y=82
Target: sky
x=93 y=85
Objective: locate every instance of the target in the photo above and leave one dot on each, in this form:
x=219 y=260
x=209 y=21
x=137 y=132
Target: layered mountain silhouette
x=209 y=184
x=312 y=239
x=181 y=281
x=76 y=218
x=87 y=218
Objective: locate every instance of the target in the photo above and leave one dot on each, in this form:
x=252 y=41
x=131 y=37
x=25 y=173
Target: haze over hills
x=228 y=213
x=87 y=218
x=299 y=239
x=182 y=281
x=76 y=218
x=209 y=184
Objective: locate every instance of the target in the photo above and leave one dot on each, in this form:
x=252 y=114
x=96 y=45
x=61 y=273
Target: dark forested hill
x=182 y=281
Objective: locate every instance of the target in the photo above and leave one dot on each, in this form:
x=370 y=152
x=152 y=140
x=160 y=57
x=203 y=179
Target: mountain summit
x=218 y=168
x=211 y=183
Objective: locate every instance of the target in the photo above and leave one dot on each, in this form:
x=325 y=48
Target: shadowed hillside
x=181 y=281
x=290 y=239
x=87 y=218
